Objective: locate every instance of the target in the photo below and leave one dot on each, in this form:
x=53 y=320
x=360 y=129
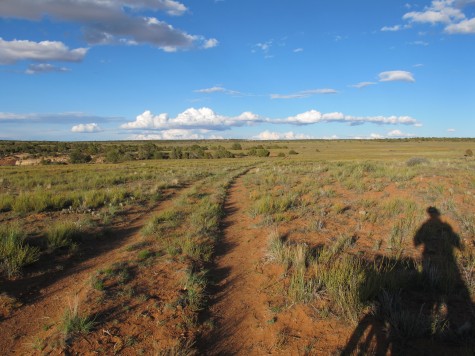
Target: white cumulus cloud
x=440 y=11
x=18 y=50
x=86 y=128
x=314 y=116
x=203 y=118
x=396 y=75
x=112 y=21
x=446 y=12
x=268 y=135
x=173 y=134
x=206 y=119
x=463 y=27
x=210 y=43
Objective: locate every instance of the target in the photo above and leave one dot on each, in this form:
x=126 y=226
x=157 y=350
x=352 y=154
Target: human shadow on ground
x=423 y=308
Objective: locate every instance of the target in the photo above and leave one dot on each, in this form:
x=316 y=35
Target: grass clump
x=62 y=234
x=74 y=323
x=416 y=161
x=161 y=222
x=194 y=286
x=14 y=252
x=6 y=203
x=145 y=255
x=268 y=205
x=342 y=280
x=205 y=220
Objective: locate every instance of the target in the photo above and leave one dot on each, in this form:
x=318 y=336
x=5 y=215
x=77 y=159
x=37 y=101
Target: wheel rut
x=56 y=292
x=238 y=304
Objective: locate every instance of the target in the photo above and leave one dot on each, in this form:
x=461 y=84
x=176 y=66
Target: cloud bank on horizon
x=295 y=70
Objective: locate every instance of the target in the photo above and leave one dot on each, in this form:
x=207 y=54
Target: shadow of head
x=433 y=212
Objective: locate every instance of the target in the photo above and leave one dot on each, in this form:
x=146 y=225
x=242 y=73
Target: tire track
x=238 y=305
x=20 y=330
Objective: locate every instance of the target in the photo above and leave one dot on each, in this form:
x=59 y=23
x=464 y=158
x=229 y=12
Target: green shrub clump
x=259 y=152
x=14 y=252
x=62 y=234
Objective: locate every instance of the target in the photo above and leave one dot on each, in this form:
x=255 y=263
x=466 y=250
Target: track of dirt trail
x=54 y=293
x=238 y=304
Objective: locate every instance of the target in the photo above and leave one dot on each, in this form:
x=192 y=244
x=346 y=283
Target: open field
x=317 y=247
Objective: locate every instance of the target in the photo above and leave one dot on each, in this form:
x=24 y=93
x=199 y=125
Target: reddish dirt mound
x=8 y=161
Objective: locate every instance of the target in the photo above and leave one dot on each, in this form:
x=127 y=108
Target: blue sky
x=251 y=69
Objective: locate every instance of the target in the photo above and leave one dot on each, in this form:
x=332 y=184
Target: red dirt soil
x=248 y=292
x=46 y=299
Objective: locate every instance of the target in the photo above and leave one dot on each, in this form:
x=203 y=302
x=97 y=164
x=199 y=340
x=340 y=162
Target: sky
x=90 y=70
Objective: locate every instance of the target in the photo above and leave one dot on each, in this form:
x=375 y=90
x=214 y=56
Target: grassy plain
x=123 y=257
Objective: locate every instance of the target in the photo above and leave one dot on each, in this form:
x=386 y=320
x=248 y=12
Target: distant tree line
x=84 y=152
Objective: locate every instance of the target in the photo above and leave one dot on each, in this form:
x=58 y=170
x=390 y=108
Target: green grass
x=63 y=234
x=74 y=323
x=14 y=251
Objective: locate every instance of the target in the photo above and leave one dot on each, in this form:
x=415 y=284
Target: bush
x=222 y=153
x=78 y=156
x=14 y=253
x=293 y=152
x=259 y=152
x=114 y=156
x=469 y=153
x=236 y=146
